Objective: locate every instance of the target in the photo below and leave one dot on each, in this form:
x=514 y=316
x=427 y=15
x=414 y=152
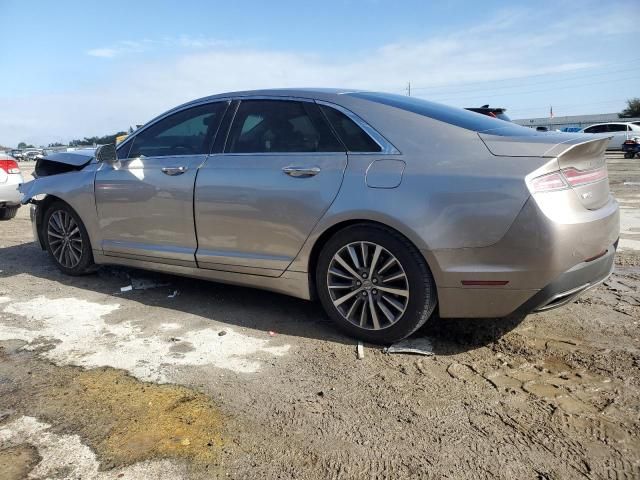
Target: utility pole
x=408 y=89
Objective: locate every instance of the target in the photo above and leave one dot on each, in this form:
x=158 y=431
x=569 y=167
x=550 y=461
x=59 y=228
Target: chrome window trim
x=280 y=154
x=386 y=147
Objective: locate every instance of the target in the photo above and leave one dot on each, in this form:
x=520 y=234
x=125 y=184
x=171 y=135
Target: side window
x=188 y=132
x=123 y=150
x=265 y=126
x=354 y=138
x=616 y=127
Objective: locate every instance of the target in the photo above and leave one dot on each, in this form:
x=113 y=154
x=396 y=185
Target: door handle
x=301 y=171
x=173 y=171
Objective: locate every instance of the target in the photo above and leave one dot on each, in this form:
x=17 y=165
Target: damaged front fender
x=74 y=187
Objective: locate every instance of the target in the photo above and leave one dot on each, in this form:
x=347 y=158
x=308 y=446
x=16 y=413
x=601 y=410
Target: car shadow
x=236 y=306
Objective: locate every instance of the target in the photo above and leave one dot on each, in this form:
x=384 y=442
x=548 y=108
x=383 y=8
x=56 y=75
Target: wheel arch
x=329 y=232
x=42 y=206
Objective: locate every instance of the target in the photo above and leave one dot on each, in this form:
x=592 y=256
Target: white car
x=620 y=131
x=10 y=179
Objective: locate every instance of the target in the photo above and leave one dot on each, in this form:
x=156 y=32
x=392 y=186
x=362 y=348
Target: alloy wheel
x=368 y=285
x=65 y=239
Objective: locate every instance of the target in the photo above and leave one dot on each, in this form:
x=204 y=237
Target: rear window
x=353 y=137
x=443 y=113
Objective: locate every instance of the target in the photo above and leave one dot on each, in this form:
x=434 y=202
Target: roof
x=315 y=93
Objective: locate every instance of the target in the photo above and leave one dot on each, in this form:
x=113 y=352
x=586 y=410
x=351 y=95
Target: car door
x=619 y=132
x=257 y=200
x=145 y=201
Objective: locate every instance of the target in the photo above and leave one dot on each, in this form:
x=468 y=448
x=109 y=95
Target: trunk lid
x=580 y=159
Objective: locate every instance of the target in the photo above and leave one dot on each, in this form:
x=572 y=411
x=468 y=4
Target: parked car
x=619 y=132
x=17 y=155
x=10 y=179
x=359 y=199
x=32 y=154
x=495 y=112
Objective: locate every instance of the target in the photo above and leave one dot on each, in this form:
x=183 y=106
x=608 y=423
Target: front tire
x=374 y=284
x=66 y=240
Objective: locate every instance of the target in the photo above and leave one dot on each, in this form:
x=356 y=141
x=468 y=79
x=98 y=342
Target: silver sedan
x=381 y=206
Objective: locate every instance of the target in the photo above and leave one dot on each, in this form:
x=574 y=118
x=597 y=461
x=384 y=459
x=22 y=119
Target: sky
x=72 y=69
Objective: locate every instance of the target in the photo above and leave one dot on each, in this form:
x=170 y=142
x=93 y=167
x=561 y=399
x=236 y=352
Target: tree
x=90 y=141
x=632 y=110
x=56 y=144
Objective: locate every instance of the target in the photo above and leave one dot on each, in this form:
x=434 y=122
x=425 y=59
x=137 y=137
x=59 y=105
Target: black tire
x=7 y=213
x=85 y=264
x=628 y=155
x=422 y=297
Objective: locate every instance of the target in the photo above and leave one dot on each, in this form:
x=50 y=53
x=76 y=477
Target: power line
x=455 y=98
x=544 y=82
x=626 y=62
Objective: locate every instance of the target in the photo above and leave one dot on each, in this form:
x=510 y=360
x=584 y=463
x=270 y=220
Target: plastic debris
x=418 y=346
x=128 y=288
x=174 y=294
x=360 y=351
x=272 y=333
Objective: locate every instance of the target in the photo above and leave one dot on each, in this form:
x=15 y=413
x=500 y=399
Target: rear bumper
x=571 y=284
x=548 y=257
x=9 y=193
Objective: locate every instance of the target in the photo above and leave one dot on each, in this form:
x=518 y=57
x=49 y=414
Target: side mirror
x=107 y=154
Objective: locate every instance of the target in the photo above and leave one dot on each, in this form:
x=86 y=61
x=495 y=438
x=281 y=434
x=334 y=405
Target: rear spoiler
x=540 y=144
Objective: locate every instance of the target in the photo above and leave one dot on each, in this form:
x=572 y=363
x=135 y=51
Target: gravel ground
x=199 y=380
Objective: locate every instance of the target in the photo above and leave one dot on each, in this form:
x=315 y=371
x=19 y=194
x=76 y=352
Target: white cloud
x=125 y=47
x=516 y=45
x=103 y=52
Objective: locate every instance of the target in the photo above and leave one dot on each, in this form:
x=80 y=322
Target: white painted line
x=82 y=337
x=66 y=453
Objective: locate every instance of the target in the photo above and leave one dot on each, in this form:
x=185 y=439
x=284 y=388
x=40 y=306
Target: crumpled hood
x=76 y=158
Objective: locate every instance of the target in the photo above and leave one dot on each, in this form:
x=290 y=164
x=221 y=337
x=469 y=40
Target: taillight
x=548 y=183
x=565 y=178
x=577 y=177
x=9 y=166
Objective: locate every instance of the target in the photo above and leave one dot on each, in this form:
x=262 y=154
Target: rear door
x=145 y=203
x=257 y=200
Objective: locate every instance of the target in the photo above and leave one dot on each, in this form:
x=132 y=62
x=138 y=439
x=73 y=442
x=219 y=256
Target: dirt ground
x=199 y=380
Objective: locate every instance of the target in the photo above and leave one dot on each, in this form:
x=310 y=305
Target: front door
x=258 y=200
x=145 y=202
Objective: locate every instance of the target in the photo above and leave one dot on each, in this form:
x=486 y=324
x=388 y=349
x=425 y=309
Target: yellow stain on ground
x=129 y=420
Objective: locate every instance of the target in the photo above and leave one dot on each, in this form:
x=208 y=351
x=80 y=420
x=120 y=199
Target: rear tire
x=66 y=240
x=374 y=284
x=7 y=213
